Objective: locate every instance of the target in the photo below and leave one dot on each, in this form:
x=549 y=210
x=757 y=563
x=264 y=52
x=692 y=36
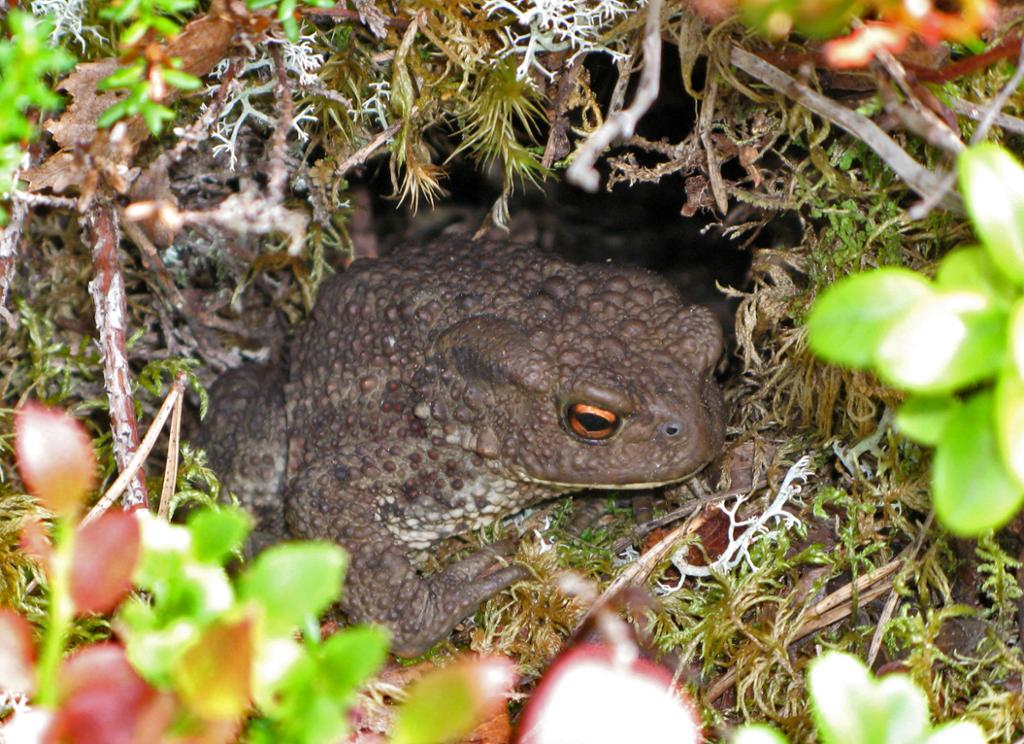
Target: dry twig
x=173 y=439
x=921 y=210
x=108 y=294
x=278 y=177
x=171 y=402
x=622 y=124
x=363 y=154
x=915 y=175
x=833 y=608
x=10 y=238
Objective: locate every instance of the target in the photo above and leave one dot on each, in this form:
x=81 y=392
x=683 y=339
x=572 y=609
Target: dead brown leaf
x=201 y=45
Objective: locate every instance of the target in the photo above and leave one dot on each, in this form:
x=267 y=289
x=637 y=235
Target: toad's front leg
x=383 y=586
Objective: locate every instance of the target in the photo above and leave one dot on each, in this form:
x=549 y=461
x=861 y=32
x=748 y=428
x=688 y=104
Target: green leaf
x=849 y=318
x=1016 y=336
x=971 y=269
x=1009 y=422
x=292 y=581
x=300 y=710
x=946 y=340
x=351 y=656
x=164 y=26
x=217 y=533
x=291 y=28
x=851 y=707
x=439 y=709
x=155 y=114
x=971 y=488
x=134 y=33
x=445 y=704
x=113 y=114
x=992 y=182
x=179 y=79
x=125 y=77
x=922 y=418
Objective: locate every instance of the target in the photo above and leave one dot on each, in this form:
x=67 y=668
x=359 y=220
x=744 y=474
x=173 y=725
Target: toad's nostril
x=672 y=429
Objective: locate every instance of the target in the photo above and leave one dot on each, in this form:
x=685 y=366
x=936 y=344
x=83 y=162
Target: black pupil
x=593 y=422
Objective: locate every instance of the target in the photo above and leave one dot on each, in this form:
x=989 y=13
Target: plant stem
x=60 y=613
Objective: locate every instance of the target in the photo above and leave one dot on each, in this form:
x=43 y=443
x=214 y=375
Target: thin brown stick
x=364 y=153
x=108 y=294
x=173 y=441
x=129 y=472
x=10 y=240
x=976 y=112
x=44 y=200
x=921 y=210
x=707 y=113
x=622 y=124
x=890 y=603
x=278 y=177
x=833 y=608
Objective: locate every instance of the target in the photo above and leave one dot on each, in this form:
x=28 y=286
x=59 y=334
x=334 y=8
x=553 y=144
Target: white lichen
x=557 y=26
x=375 y=108
x=251 y=94
x=67 y=18
x=744 y=534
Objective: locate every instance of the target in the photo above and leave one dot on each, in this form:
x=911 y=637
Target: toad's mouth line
x=630 y=486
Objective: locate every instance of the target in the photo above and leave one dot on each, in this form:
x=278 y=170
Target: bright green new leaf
x=971 y=487
x=992 y=182
x=971 y=269
x=300 y=710
x=1009 y=422
x=179 y=79
x=112 y=114
x=961 y=732
x=850 y=318
x=945 y=341
x=852 y=707
x=350 y=656
x=217 y=533
x=1016 y=336
x=292 y=581
x=440 y=708
x=125 y=77
x=922 y=418
x=155 y=114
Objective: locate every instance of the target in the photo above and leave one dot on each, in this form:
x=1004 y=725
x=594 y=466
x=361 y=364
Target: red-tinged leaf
x=591 y=695
x=106 y=552
x=858 y=48
x=104 y=701
x=54 y=457
x=17 y=655
x=214 y=676
x=444 y=705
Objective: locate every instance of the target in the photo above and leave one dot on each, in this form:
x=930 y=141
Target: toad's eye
x=591 y=422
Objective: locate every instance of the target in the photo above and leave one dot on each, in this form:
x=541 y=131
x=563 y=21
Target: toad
x=434 y=391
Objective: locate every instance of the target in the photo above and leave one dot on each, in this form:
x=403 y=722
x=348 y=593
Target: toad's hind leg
x=383 y=586
x=245 y=437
